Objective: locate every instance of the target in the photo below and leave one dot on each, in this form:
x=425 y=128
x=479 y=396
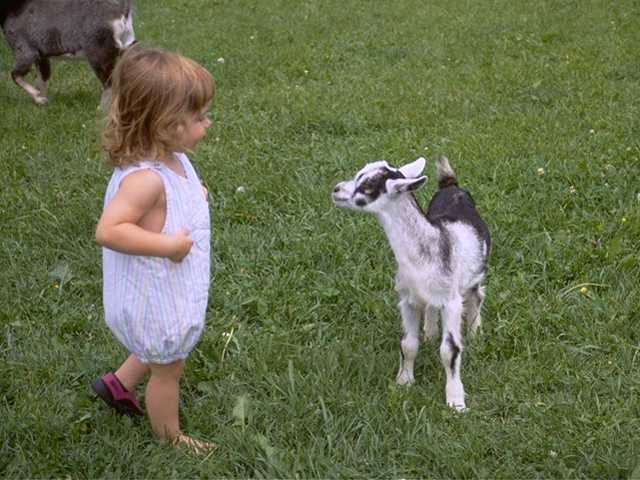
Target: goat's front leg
x=451 y=352
x=411 y=318
x=21 y=68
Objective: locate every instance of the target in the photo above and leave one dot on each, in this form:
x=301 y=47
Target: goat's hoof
x=404 y=378
x=40 y=100
x=457 y=407
x=454 y=393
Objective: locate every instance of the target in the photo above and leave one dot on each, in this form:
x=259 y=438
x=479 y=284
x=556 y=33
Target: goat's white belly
x=79 y=55
x=424 y=288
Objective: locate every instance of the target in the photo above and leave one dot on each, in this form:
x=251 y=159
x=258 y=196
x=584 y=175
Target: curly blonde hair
x=154 y=91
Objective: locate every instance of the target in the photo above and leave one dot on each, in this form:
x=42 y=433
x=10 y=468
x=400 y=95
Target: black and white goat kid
x=441 y=258
x=37 y=30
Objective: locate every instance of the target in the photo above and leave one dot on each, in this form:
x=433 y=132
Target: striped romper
x=154 y=306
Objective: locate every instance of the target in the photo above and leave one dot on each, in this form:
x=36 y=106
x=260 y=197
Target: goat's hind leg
x=451 y=352
x=431 y=327
x=472 y=309
x=410 y=343
x=43 y=69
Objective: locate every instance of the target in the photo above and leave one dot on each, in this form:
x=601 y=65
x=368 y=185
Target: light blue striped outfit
x=154 y=306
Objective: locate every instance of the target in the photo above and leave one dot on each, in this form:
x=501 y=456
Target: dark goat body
x=39 y=29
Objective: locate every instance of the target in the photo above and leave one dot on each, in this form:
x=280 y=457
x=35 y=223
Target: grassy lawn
x=536 y=104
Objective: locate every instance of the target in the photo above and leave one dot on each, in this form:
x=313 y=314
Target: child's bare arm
x=119 y=227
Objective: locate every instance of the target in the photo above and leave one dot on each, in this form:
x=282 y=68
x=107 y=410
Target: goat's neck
x=407 y=229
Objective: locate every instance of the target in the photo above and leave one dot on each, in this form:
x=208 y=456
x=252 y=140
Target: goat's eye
x=366 y=189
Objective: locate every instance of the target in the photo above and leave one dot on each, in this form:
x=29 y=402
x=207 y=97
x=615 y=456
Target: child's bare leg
x=161 y=398
x=131 y=372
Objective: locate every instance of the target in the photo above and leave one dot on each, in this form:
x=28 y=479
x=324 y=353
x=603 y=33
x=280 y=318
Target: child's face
x=195 y=128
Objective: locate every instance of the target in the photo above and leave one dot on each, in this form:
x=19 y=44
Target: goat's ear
x=413 y=169
x=401 y=185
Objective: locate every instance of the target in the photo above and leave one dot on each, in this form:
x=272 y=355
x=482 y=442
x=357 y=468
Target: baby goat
x=38 y=29
x=441 y=256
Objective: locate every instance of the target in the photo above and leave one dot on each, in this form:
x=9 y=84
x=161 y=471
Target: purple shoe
x=116 y=396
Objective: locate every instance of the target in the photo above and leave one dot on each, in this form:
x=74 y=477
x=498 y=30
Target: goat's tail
x=446 y=175
x=9 y=6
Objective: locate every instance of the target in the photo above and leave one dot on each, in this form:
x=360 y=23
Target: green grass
x=303 y=387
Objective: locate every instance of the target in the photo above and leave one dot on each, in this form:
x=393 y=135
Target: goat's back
x=53 y=14
x=454 y=204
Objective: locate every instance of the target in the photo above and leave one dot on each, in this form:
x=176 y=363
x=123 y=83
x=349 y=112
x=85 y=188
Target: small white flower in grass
x=553 y=453
x=624 y=220
x=220 y=60
x=592 y=131
x=584 y=290
x=540 y=171
x=241 y=189
x=572 y=189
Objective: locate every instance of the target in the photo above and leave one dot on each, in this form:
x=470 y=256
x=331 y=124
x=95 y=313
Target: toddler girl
x=154 y=231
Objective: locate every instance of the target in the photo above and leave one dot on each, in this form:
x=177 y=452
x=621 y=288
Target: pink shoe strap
x=118 y=392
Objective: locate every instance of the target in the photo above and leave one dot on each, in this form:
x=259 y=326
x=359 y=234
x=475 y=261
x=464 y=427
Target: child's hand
x=182 y=244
